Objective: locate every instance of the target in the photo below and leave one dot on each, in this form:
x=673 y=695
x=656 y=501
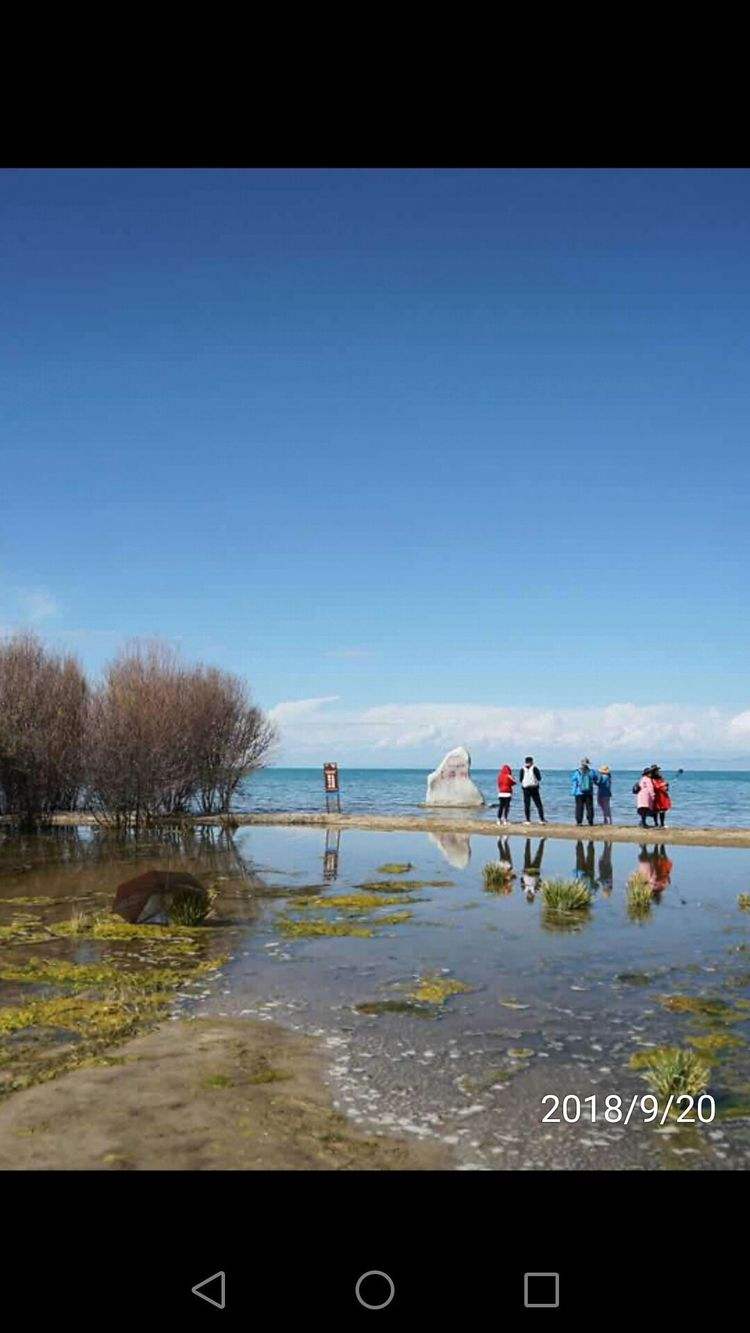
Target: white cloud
x=294 y=710
x=404 y=733
x=739 y=727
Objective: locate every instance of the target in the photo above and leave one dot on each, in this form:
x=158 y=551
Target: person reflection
x=585 y=870
x=605 y=869
x=532 y=869
x=505 y=856
x=656 y=866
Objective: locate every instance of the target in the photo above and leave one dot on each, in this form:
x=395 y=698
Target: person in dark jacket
x=529 y=778
x=582 y=787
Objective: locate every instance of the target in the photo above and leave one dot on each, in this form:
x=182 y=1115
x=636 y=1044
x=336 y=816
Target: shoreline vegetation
x=153 y=737
x=428 y=823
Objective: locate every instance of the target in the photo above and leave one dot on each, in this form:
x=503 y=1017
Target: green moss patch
x=316 y=928
x=395 y=868
x=353 y=902
x=404 y=885
x=436 y=990
x=699 y=1006
x=375 y=1007
x=743 y=902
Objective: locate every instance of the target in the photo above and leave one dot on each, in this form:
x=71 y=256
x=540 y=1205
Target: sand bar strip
x=455 y=822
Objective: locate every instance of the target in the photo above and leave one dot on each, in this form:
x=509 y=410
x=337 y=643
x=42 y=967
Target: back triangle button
x=218 y=1294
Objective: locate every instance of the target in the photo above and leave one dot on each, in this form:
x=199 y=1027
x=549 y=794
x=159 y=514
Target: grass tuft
x=190 y=908
x=744 y=901
x=671 y=1071
x=497 y=878
x=640 y=895
x=566 y=895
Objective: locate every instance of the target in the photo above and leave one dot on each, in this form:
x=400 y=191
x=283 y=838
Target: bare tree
x=42 y=717
x=164 y=738
x=231 y=737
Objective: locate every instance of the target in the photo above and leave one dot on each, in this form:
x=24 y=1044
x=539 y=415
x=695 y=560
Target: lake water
x=550 y=1007
x=701 y=799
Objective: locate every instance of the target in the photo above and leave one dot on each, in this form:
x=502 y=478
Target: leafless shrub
x=42 y=717
x=164 y=738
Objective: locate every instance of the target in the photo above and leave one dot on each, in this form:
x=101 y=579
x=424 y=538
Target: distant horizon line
x=484 y=768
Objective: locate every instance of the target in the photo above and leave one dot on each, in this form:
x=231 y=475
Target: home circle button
x=374 y=1290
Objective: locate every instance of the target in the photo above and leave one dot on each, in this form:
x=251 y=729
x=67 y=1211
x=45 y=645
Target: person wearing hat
x=582 y=787
x=604 y=793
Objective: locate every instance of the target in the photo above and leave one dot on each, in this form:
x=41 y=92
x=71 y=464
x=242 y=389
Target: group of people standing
x=651 y=792
x=652 y=797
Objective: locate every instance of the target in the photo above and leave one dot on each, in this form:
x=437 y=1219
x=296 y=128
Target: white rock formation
x=451 y=782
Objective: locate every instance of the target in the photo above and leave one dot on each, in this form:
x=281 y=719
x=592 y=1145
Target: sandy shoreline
x=202 y=1094
x=453 y=823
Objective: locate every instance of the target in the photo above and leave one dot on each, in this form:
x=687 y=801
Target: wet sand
x=458 y=823
x=202 y=1094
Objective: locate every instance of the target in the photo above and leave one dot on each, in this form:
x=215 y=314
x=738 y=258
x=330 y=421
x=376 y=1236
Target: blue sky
x=431 y=457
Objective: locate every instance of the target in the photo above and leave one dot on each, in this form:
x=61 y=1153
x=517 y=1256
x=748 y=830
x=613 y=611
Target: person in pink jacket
x=644 y=796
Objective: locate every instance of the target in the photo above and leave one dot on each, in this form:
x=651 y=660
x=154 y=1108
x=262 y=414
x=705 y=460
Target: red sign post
x=331 y=785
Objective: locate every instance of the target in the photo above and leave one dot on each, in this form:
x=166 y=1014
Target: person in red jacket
x=662 y=799
x=505 y=784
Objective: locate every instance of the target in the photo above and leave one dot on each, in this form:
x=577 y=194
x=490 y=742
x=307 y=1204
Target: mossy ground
x=436 y=990
x=314 y=928
x=64 y=1013
x=404 y=885
x=353 y=902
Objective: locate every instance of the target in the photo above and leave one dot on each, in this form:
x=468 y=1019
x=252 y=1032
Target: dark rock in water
x=146 y=899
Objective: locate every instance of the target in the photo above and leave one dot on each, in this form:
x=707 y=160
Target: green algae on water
x=711 y=1045
x=436 y=989
x=374 y=1007
x=699 y=1006
x=353 y=902
x=314 y=928
x=395 y=868
x=743 y=900
x=404 y=885
x=85 y=976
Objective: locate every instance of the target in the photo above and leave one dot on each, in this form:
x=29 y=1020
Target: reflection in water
x=584 y=868
x=532 y=868
x=606 y=873
x=87 y=865
x=505 y=856
x=456 y=848
x=656 y=867
x=331 y=855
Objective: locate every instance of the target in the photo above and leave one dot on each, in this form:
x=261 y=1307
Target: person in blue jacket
x=582 y=781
